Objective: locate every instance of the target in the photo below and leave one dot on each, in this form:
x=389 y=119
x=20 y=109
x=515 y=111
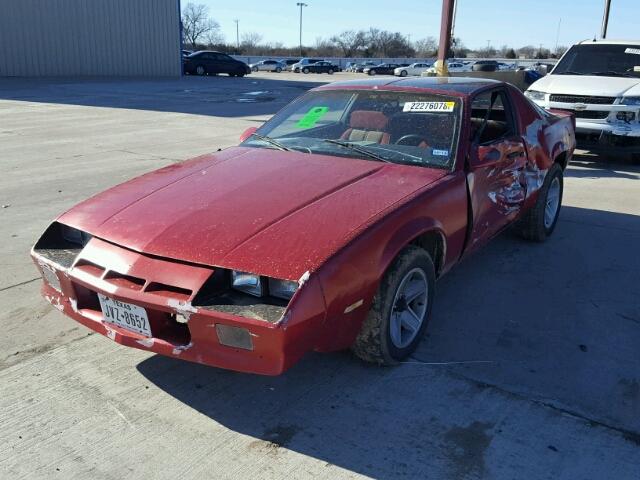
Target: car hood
x=263 y=211
x=586 y=85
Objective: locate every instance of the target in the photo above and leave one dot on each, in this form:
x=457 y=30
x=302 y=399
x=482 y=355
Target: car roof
x=610 y=42
x=457 y=85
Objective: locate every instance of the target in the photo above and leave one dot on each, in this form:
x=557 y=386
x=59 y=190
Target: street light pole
x=237 y=35
x=300 y=4
x=445 y=38
x=605 y=18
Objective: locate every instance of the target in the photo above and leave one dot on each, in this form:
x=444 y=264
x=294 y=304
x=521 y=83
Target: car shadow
x=219 y=96
x=555 y=323
x=597 y=167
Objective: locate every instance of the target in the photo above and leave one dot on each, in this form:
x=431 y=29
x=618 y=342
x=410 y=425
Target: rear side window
x=491 y=117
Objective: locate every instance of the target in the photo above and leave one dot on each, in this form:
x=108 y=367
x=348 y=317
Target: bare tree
x=426 y=47
x=196 y=23
x=349 y=42
x=250 y=42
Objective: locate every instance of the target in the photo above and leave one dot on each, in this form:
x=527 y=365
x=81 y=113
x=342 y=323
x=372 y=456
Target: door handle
x=516 y=154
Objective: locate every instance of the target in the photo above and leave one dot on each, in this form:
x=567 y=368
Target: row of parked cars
x=303 y=65
x=212 y=63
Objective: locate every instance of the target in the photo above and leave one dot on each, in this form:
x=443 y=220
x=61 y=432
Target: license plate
x=125 y=315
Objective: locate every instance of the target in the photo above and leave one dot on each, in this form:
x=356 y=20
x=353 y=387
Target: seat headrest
x=368 y=120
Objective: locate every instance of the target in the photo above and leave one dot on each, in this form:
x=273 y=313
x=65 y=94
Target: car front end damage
x=174 y=308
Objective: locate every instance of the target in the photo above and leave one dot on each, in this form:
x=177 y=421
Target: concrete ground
x=556 y=327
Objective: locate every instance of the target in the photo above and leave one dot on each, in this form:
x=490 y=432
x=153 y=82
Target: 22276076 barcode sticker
x=429 y=106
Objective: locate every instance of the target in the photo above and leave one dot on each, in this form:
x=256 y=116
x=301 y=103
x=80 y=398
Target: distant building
x=90 y=38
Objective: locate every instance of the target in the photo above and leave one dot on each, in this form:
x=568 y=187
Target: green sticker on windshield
x=312 y=116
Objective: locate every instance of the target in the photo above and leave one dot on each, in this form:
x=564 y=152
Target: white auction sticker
x=429 y=106
x=634 y=51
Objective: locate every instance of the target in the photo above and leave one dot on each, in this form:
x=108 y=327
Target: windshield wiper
x=271 y=141
x=358 y=149
x=612 y=73
x=569 y=72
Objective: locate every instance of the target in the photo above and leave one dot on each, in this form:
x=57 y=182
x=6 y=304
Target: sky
x=501 y=22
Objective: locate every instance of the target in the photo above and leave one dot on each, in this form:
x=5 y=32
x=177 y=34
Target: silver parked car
x=267 y=66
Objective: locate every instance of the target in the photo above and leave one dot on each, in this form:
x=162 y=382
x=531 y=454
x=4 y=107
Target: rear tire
x=372 y=72
x=330 y=71
x=395 y=324
x=200 y=70
x=539 y=222
x=254 y=69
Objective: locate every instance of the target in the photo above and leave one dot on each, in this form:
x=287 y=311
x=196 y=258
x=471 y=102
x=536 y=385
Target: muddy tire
x=539 y=222
x=400 y=311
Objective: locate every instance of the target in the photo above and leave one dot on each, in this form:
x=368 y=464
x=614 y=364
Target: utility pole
x=237 y=36
x=445 y=38
x=301 y=5
x=558 y=35
x=605 y=18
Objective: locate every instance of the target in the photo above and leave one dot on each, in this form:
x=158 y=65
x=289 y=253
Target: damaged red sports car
x=325 y=229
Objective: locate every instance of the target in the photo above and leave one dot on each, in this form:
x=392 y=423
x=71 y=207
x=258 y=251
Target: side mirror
x=247 y=133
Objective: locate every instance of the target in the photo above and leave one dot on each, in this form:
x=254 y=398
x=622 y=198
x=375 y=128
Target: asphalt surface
x=551 y=331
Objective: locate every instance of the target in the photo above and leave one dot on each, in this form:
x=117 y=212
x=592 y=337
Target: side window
x=491 y=117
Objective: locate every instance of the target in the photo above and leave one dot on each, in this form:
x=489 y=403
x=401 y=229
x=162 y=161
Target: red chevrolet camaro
x=325 y=229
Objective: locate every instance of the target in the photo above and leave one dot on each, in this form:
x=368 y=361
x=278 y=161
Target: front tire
x=200 y=70
x=330 y=71
x=278 y=70
x=372 y=72
x=403 y=73
x=305 y=70
x=400 y=311
x=539 y=222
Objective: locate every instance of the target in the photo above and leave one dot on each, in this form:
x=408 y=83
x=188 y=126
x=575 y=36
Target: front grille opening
x=590 y=114
x=588 y=99
x=170 y=291
x=165 y=327
x=122 y=280
x=89 y=267
x=87 y=299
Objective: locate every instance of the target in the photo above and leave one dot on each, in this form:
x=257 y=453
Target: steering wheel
x=412 y=136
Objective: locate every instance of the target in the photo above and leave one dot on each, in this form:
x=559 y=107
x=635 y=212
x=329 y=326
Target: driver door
x=495 y=166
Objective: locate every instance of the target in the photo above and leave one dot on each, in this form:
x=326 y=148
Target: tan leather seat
x=367 y=125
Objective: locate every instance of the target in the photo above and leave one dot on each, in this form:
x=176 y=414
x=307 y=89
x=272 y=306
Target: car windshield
x=397 y=127
x=614 y=60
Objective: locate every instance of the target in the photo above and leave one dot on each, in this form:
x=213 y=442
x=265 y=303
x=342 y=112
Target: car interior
x=490 y=117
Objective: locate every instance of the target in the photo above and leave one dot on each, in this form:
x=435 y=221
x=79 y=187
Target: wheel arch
x=562 y=158
x=426 y=233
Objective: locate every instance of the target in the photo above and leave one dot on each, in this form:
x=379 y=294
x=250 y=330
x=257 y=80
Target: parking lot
x=530 y=368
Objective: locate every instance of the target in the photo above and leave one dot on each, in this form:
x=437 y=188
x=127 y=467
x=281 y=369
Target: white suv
x=599 y=82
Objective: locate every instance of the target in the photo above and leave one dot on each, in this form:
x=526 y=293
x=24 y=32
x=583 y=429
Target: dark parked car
x=359 y=67
x=321 y=67
x=485 y=66
x=212 y=63
x=382 y=69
